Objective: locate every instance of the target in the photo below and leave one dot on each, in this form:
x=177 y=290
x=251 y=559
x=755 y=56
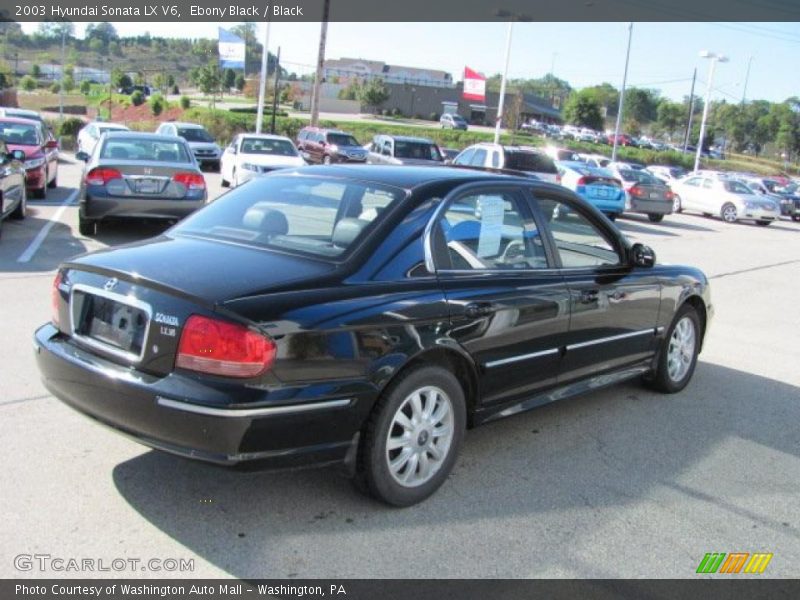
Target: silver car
x=139 y=175
x=205 y=149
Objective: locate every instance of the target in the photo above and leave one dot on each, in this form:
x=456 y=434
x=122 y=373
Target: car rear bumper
x=156 y=412
x=657 y=207
x=96 y=208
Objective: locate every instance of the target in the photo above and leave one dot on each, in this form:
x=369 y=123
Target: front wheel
x=728 y=213
x=41 y=193
x=678 y=353
x=412 y=439
x=655 y=218
x=22 y=208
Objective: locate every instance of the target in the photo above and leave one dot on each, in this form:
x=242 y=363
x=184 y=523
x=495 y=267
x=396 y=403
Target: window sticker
x=492 y=209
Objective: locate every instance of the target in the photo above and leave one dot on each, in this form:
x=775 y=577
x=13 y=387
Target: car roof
x=143 y=135
x=21 y=121
x=407 y=138
x=185 y=125
x=583 y=167
x=106 y=124
x=407 y=177
x=265 y=136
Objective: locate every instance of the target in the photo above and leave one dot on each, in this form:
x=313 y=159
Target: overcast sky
x=663 y=55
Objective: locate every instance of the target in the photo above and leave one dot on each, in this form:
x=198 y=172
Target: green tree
x=185 y=102
x=607 y=96
x=85 y=87
x=670 y=117
x=157 y=104
x=374 y=93
x=230 y=78
x=68 y=82
x=137 y=98
x=54 y=29
x=583 y=109
x=55 y=87
x=240 y=82
x=105 y=32
x=36 y=71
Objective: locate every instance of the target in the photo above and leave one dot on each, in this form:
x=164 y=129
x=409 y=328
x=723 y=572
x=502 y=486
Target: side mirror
x=51 y=144
x=643 y=256
x=17 y=155
x=84 y=156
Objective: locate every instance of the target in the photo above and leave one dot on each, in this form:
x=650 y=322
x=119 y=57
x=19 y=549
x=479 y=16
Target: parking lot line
x=40 y=237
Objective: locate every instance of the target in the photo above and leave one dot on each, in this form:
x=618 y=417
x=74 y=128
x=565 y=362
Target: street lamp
x=715 y=58
x=511 y=18
x=622 y=95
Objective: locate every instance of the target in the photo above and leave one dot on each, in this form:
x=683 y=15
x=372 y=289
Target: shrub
x=69 y=127
x=157 y=104
x=175 y=89
x=434 y=116
x=86 y=87
x=55 y=87
x=137 y=98
x=28 y=83
x=396 y=112
x=185 y=102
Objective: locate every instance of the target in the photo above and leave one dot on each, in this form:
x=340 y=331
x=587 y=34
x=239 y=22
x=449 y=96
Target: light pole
x=498 y=124
x=746 y=79
x=715 y=58
x=622 y=94
x=262 y=84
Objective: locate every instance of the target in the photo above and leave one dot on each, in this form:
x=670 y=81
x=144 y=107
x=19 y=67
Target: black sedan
x=139 y=175
x=364 y=316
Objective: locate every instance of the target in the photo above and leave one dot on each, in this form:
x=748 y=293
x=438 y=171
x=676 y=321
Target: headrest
x=266 y=220
x=347 y=230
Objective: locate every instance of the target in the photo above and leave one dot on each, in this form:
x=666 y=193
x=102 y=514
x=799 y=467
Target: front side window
x=579 y=242
x=465 y=157
x=416 y=150
x=479 y=158
x=488 y=231
x=320 y=217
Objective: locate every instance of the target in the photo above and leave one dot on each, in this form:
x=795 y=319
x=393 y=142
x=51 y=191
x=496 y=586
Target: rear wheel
x=22 y=207
x=413 y=436
x=655 y=218
x=612 y=216
x=87 y=227
x=676 y=204
x=728 y=213
x=763 y=223
x=678 y=354
x=224 y=182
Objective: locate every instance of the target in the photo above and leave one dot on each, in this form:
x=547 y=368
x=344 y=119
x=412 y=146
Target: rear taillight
x=636 y=191
x=581 y=181
x=558 y=178
x=223 y=348
x=102 y=175
x=55 y=297
x=193 y=181
x=669 y=195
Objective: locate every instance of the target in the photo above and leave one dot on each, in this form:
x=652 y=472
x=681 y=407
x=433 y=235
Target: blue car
x=597 y=186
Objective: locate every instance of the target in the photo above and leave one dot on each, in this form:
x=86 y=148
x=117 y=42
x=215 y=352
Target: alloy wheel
x=420 y=436
x=680 y=352
x=729 y=213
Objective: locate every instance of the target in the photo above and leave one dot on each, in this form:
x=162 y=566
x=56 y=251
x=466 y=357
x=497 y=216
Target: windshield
x=519 y=160
x=252 y=145
x=195 y=134
x=416 y=150
x=342 y=139
x=320 y=217
x=20 y=134
x=736 y=188
x=122 y=148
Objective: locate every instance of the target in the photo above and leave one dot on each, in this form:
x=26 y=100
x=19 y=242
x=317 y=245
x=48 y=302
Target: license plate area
x=110 y=322
x=146 y=185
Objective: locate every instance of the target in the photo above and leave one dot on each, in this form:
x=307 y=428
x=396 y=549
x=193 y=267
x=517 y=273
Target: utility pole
x=61 y=85
x=262 y=84
x=746 y=79
x=323 y=34
x=622 y=94
x=498 y=123
x=691 y=112
x=714 y=58
x=275 y=91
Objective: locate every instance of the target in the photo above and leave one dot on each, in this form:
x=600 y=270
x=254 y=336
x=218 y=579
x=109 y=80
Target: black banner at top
x=400 y=10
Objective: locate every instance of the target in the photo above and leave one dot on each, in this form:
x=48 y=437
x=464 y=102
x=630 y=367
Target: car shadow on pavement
x=128 y=231
x=634 y=227
x=621 y=446
x=668 y=223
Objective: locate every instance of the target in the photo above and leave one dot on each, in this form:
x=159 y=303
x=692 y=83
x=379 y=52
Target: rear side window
x=313 y=216
x=521 y=160
x=479 y=158
x=465 y=157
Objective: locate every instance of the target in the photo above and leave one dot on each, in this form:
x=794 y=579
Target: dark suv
x=329 y=146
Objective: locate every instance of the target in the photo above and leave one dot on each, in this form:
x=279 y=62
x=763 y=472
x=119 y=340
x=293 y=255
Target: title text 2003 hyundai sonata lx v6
x=365 y=316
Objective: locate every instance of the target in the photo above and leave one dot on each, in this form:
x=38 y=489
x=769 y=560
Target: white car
x=515 y=158
x=251 y=155
x=667 y=174
x=725 y=197
x=595 y=160
x=90 y=135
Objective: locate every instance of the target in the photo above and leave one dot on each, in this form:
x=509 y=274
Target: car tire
x=655 y=218
x=326 y=160
x=677 y=357
x=763 y=223
x=224 y=182
x=234 y=182
x=612 y=216
x=795 y=217
x=729 y=213
x=87 y=227
x=427 y=406
x=677 y=207
x=54 y=183
x=41 y=193
x=22 y=208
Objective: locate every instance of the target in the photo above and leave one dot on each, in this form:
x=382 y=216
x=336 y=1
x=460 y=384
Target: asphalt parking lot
x=619 y=483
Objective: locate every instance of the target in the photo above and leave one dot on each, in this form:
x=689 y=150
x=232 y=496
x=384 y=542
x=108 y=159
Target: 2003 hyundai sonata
x=365 y=316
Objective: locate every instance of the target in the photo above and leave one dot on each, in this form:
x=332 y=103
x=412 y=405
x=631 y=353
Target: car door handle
x=474 y=310
x=588 y=296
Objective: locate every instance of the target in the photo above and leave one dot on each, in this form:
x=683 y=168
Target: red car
x=623 y=139
x=41 y=159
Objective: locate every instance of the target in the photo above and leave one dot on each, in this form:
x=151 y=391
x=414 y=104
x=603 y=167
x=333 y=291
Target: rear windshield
x=638 y=177
x=252 y=145
x=342 y=139
x=122 y=148
x=304 y=215
x=416 y=150
x=21 y=134
x=520 y=160
x=194 y=134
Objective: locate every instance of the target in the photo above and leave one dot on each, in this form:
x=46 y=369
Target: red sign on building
x=474 y=85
